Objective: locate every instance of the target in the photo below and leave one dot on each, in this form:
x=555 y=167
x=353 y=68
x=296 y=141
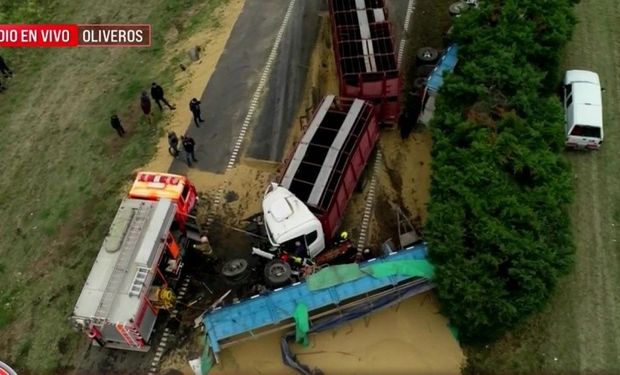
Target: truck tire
x=457 y=8
x=419 y=84
x=426 y=55
x=235 y=270
x=277 y=273
x=424 y=70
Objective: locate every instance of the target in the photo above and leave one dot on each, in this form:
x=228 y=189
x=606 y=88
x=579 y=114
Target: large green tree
x=498 y=230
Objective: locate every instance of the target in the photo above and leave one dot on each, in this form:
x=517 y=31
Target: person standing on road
x=4 y=69
x=188 y=146
x=173 y=144
x=145 y=105
x=194 y=107
x=157 y=93
x=116 y=124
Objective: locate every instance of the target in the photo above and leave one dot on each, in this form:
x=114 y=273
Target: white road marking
x=364 y=229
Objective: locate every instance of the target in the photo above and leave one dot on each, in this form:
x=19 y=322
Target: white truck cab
x=583 y=110
x=288 y=220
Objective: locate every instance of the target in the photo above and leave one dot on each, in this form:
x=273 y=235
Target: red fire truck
x=139 y=261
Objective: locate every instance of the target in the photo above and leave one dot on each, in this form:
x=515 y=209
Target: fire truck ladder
x=132 y=236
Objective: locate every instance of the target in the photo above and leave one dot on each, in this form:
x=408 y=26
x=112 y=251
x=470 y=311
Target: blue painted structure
x=447 y=63
x=263 y=311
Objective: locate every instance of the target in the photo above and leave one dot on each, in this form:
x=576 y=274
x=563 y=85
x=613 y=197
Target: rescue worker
x=205 y=247
x=188 y=146
x=4 y=69
x=157 y=93
x=145 y=105
x=194 y=107
x=116 y=124
x=173 y=143
x=300 y=250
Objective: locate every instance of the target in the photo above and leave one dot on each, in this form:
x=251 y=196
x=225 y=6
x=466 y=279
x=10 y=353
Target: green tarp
x=302 y=324
x=419 y=268
x=334 y=275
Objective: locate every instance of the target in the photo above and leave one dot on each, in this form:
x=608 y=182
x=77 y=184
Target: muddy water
x=410 y=338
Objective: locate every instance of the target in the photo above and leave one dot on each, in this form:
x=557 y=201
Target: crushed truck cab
x=288 y=219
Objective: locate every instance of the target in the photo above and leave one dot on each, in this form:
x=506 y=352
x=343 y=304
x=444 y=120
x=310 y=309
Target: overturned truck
x=308 y=203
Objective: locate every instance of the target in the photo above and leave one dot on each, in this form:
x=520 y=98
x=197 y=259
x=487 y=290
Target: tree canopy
x=498 y=229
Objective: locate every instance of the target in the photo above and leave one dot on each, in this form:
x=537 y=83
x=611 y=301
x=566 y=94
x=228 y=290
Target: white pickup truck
x=583 y=110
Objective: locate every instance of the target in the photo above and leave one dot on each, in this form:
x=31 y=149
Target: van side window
x=586 y=131
x=311 y=237
x=568 y=89
x=569 y=100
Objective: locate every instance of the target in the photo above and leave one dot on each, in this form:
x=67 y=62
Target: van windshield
x=586 y=131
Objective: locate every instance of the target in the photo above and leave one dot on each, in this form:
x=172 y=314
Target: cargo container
x=366 y=62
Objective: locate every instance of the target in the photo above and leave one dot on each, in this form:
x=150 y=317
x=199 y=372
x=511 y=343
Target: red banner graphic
x=82 y=35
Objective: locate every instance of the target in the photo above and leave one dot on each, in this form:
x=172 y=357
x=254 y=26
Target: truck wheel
x=235 y=270
x=419 y=83
x=426 y=55
x=277 y=273
x=457 y=8
x=424 y=70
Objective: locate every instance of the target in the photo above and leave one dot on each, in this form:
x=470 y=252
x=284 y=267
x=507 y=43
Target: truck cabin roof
x=155 y=186
x=313 y=173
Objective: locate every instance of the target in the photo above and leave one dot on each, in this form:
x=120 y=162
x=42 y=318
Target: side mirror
x=602 y=89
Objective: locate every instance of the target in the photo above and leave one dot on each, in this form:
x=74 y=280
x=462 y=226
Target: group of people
x=6 y=72
x=187 y=143
x=157 y=94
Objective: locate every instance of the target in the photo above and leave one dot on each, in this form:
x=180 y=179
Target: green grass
x=63 y=165
x=578 y=332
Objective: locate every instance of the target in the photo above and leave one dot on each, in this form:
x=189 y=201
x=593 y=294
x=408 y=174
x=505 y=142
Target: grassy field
x=63 y=166
x=578 y=332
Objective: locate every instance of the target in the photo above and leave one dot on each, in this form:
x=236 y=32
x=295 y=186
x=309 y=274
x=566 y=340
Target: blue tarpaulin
x=446 y=64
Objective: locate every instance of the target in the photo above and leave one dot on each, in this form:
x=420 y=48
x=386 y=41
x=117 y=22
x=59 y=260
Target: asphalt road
x=284 y=94
x=226 y=98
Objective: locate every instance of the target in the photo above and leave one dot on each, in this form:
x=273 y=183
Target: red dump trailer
x=322 y=174
x=365 y=55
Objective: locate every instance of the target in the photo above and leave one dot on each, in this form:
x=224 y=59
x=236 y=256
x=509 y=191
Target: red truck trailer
x=309 y=200
x=365 y=55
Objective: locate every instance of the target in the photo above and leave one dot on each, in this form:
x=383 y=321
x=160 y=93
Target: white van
x=584 y=110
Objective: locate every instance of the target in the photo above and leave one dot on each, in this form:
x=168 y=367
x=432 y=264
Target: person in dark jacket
x=188 y=146
x=173 y=144
x=116 y=124
x=157 y=93
x=194 y=107
x=145 y=105
x=4 y=69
